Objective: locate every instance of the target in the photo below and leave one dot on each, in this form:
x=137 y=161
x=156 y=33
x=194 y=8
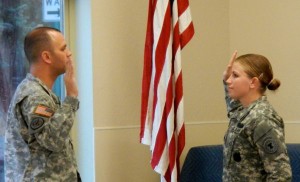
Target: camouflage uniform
x=38 y=146
x=254 y=146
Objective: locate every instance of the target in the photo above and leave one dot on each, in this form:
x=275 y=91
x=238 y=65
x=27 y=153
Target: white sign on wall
x=51 y=10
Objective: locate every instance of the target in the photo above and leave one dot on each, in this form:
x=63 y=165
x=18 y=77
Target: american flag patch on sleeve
x=43 y=111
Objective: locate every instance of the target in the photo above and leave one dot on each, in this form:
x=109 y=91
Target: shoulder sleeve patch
x=36 y=123
x=261 y=130
x=270 y=145
x=43 y=111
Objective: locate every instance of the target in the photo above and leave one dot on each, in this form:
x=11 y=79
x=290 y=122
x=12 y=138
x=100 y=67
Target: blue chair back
x=205 y=163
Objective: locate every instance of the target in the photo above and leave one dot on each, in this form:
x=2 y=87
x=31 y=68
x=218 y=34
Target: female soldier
x=254 y=144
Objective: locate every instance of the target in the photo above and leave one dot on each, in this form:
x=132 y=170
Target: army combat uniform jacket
x=37 y=141
x=254 y=144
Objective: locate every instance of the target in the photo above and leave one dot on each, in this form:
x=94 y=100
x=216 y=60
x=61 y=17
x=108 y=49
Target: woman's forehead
x=238 y=68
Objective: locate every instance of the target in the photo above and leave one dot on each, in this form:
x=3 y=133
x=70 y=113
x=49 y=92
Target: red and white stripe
x=169 y=29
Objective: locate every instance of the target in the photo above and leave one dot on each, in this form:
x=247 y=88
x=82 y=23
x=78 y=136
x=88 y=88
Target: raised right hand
x=70 y=81
x=227 y=72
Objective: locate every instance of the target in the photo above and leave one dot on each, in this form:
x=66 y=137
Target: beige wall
x=118 y=43
x=221 y=26
x=271 y=28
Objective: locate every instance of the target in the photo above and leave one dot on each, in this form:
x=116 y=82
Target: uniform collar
x=30 y=77
x=259 y=100
x=244 y=111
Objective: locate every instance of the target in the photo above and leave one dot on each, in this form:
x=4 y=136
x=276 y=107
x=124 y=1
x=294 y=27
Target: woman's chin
x=232 y=96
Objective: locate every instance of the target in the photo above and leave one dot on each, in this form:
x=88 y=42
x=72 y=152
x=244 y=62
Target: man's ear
x=254 y=83
x=46 y=57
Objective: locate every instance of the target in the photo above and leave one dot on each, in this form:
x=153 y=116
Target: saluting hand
x=70 y=81
x=227 y=72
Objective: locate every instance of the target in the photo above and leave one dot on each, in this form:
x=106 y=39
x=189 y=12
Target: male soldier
x=37 y=138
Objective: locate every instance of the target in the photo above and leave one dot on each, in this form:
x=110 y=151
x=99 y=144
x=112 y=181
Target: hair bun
x=274 y=84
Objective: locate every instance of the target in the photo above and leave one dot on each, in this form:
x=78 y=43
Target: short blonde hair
x=256 y=65
x=36 y=41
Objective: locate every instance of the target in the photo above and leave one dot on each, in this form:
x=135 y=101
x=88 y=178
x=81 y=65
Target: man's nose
x=69 y=53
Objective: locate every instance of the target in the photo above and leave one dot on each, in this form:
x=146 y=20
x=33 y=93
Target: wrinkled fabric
x=254 y=144
x=38 y=146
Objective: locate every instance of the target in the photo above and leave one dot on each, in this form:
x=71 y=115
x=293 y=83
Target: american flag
x=169 y=29
x=44 y=111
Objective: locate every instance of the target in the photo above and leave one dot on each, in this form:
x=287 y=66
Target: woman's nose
x=228 y=81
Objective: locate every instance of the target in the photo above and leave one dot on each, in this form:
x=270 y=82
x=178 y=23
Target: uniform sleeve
x=231 y=104
x=269 y=139
x=50 y=125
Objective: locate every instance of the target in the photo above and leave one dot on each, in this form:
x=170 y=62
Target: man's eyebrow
x=63 y=46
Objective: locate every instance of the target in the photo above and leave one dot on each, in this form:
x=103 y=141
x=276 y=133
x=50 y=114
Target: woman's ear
x=46 y=57
x=255 y=83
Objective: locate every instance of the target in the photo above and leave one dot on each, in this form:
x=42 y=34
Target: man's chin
x=62 y=72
